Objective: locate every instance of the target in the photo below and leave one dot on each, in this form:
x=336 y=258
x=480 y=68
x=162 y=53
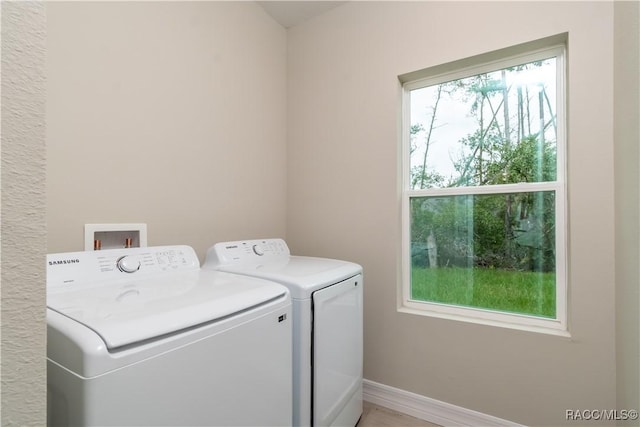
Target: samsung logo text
x=64 y=261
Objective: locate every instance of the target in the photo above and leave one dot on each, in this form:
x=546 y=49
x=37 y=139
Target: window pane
x=492 y=251
x=493 y=128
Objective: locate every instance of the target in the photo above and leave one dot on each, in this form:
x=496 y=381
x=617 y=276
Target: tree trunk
x=432 y=250
x=428 y=141
x=507 y=144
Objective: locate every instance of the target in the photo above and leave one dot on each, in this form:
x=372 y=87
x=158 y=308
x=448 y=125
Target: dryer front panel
x=337 y=353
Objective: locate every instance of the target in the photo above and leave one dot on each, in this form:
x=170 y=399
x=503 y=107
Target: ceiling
x=291 y=13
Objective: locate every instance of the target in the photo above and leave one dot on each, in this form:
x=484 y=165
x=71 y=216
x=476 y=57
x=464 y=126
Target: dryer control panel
x=247 y=252
x=67 y=268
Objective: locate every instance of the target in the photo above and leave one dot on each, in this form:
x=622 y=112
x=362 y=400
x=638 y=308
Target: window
x=484 y=189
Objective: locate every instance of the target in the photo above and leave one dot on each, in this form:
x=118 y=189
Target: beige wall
x=627 y=178
x=166 y=113
x=344 y=197
x=23 y=388
x=108 y=83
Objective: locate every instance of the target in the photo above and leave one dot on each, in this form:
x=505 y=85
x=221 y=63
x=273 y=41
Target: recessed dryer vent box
x=113 y=236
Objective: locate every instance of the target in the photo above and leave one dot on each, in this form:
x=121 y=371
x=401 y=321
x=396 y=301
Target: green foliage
x=425 y=178
x=470 y=230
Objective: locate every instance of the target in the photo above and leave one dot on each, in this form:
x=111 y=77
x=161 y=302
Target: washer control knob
x=128 y=264
x=257 y=249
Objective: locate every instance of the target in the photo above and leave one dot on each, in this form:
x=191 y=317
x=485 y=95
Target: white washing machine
x=144 y=337
x=327 y=325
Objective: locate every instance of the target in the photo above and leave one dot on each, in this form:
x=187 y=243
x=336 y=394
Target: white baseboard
x=425 y=408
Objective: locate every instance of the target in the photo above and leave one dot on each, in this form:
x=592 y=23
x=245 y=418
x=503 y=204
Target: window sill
x=486 y=320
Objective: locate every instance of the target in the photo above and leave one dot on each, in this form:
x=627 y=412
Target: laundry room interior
x=210 y=121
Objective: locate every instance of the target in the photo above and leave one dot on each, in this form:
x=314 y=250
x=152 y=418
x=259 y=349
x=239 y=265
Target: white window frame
x=460 y=70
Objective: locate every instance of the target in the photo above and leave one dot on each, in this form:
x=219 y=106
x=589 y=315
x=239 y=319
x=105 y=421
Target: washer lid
x=126 y=312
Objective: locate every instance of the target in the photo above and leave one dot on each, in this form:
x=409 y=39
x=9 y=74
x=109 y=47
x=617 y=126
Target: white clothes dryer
x=144 y=337
x=327 y=325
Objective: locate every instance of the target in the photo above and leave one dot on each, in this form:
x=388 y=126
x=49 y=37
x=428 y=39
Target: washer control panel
x=113 y=264
x=247 y=252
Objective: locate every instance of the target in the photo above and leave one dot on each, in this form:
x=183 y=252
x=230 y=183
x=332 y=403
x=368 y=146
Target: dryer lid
x=127 y=312
x=302 y=275
x=271 y=259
